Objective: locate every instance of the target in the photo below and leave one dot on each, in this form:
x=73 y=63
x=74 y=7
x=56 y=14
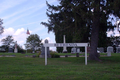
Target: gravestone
x=78 y=50
x=10 y=49
x=73 y=50
x=117 y=49
x=15 y=50
x=42 y=55
x=101 y=49
x=109 y=50
x=2 y=50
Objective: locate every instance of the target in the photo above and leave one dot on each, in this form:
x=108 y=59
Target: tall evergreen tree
x=80 y=19
x=66 y=21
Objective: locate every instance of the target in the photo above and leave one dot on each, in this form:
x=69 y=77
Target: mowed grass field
x=71 y=68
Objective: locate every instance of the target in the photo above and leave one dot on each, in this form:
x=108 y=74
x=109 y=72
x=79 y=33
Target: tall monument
x=15 y=50
x=64 y=48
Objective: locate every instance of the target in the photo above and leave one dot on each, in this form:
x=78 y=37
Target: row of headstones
x=101 y=50
x=10 y=50
x=110 y=49
x=77 y=50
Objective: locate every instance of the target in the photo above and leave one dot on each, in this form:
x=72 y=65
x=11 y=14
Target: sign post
x=45 y=55
x=85 y=55
x=65 y=45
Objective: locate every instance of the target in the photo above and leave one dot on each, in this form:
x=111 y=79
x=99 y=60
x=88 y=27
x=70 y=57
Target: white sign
x=67 y=45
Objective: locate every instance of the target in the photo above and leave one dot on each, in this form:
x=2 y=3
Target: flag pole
x=26 y=43
x=28 y=33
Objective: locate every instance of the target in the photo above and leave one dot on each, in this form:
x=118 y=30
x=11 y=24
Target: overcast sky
x=18 y=15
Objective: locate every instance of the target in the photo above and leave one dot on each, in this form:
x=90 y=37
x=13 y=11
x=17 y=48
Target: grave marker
x=109 y=50
x=78 y=50
x=73 y=50
x=117 y=49
x=10 y=49
x=101 y=49
x=42 y=55
x=15 y=50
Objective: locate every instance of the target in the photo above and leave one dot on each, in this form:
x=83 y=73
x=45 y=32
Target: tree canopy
x=80 y=19
x=8 y=40
x=34 y=41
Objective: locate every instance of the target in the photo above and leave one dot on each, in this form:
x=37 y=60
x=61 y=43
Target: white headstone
x=78 y=50
x=117 y=49
x=73 y=50
x=109 y=50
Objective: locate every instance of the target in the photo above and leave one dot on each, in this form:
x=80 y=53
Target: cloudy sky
x=20 y=15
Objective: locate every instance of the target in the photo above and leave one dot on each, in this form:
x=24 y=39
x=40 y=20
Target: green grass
x=30 y=54
x=62 y=54
x=18 y=54
x=71 y=68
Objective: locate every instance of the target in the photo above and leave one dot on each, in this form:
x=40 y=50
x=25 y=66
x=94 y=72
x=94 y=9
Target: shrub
x=54 y=54
x=29 y=51
x=38 y=53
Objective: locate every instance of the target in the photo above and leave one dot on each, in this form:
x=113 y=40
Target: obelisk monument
x=15 y=50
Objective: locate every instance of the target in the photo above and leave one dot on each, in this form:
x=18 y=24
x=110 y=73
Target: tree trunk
x=95 y=32
x=94 y=39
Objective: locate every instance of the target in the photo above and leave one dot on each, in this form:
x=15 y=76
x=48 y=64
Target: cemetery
x=52 y=65
x=72 y=66
x=21 y=67
x=85 y=35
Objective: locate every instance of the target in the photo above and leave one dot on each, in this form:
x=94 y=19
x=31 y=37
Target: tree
x=115 y=7
x=34 y=41
x=66 y=20
x=7 y=41
x=20 y=49
x=81 y=19
x=100 y=7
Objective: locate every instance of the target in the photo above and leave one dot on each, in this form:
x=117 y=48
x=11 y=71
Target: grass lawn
x=71 y=68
